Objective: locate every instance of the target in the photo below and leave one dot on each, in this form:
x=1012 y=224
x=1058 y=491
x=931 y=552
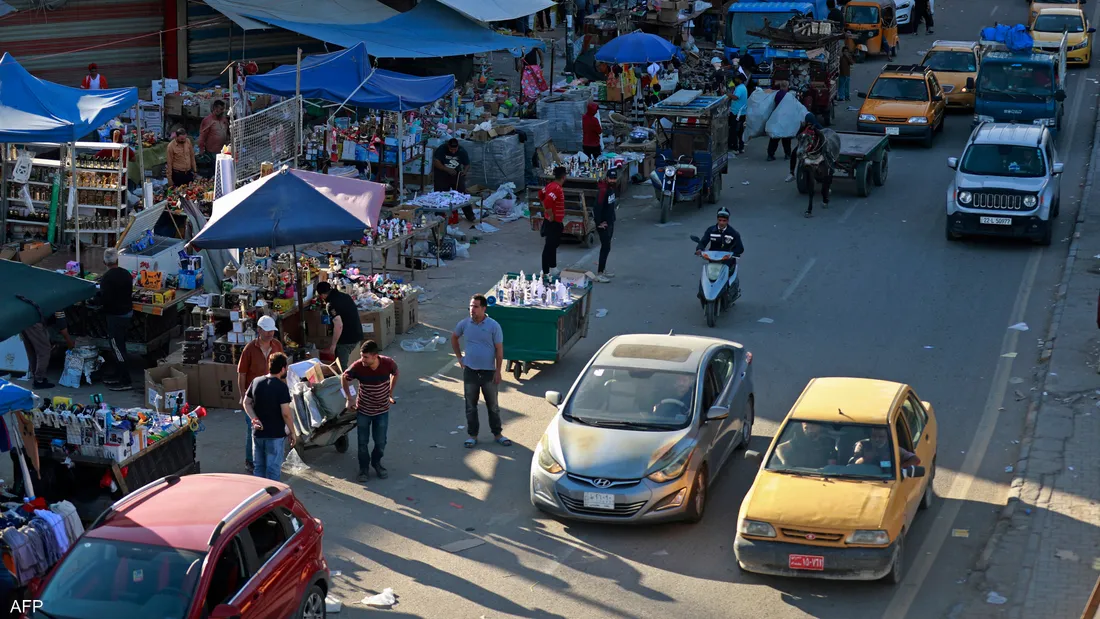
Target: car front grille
x=622 y=510
x=604 y=482
x=892 y=119
x=998 y=201
x=812 y=535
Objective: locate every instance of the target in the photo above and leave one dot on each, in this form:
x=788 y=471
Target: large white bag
x=757 y=112
x=787 y=118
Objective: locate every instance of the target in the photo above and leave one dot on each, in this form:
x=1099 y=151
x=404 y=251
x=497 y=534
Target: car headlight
x=1030 y=201
x=870 y=118
x=547 y=461
x=918 y=120
x=965 y=197
x=1043 y=122
x=1081 y=45
x=675 y=467
x=869 y=538
x=756 y=528
x=982 y=118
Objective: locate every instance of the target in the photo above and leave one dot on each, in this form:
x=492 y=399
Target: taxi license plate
x=806 y=562
x=997 y=221
x=598 y=500
x=893 y=131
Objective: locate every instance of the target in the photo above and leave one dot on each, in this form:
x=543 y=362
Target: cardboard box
x=218 y=386
x=379 y=326
x=614 y=93
x=173 y=105
x=33 y=253
x=162 y=386
x=9 y=251
x=406 y=313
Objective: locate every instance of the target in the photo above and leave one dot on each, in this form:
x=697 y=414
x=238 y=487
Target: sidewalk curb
x=1019 y=477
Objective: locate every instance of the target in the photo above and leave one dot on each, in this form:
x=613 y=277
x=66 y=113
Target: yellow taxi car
x=905 y=101
x=1038 y=5
x=954 y=62
x=841 y=483
x=1050 y=24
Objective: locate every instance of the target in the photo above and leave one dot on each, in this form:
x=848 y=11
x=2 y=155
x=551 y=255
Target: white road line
x=994 y=11
x=960 y=487
x=847 y=213
x=798 y=279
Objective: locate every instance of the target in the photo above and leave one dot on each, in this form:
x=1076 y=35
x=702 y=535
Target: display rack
x=18 y=220
x=100 y=191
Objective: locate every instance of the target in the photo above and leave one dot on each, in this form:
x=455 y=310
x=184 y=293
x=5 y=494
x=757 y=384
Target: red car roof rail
x=236 y=511
x=168 y=480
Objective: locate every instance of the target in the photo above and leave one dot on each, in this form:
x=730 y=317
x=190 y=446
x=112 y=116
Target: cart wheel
x=802 y=180
x=589 y=240
x=517 y=371
x=881 y=170
x=863 y=180
x=666 y=207
x=715 y=189
x=341 y=444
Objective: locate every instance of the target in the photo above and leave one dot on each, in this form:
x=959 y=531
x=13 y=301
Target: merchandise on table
x=441 y=200
x=534 y=291
x=36 y=535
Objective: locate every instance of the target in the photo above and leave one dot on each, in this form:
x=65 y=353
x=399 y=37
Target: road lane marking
x=994 y=11
x=847 y=213
x=798 y=279
x=975 y=454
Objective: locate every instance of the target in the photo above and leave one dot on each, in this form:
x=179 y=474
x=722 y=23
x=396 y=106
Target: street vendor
x=553 y=222
x=592 y=131
x=450 y=163
x=347 y=330
x=116 y=290
x=36 y=341
x=214 y=130
x=181 y=160
x=94 y=80
x=253 y=364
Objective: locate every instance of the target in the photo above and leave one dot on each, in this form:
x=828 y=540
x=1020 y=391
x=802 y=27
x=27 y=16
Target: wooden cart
x=579 y=221
x=864 y=157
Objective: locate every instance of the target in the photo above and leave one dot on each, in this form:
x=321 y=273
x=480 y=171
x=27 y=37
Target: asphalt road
x=868 y=287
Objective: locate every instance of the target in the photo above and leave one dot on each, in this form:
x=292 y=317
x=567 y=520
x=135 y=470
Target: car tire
x=1057 y=208
x=949 y=235
x=313 y=604
x=897 y=572
x=746 y=432
x=697 y=504
x=1047 y=235
x=927 y=140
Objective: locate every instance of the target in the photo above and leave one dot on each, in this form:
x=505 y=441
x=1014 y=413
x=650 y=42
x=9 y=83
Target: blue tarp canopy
x=638 y=48
x=429 y=30
x=51 y=291
x=337 y=76
x=34 y=110
x=14 y=398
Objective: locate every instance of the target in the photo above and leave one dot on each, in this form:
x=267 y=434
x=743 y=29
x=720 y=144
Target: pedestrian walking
x=253 y=364
x=738 y=105
x=116 y=291
x=267 y=404
x=773 y=143
x=922 y=10
x=347 y=331
x=844 y=84
x=481 y=366
x=36 y=341
x=553 y=220
x=376 y=378
x=835 y=14
x=606 y=203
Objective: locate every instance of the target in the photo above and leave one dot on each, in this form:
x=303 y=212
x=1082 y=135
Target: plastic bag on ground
x=787 y=118
x=462 y=250
x=381 y=600
x=757 y=112
x=293 y=463
x=507 y=190
x=430 y=344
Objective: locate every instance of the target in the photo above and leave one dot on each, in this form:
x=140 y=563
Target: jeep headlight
x=756 y=528
x=965 y=197
x=547 y=461
x=868 y=118
x=672 y=465
x=1030 y=201
x=869 y=538
x=982 y=118
x=918 y=120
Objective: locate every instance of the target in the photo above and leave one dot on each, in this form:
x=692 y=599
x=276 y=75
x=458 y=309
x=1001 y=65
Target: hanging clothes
x=49 y=540
x=36 y=542
x=73 y=526
x=57 y=527
x=533 y=82
x=26 y=560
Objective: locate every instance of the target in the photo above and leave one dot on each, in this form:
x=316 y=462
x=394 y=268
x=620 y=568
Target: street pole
x=570 y=14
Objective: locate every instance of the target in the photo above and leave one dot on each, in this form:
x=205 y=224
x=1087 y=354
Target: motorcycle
x=718 y=288
x=674 y=182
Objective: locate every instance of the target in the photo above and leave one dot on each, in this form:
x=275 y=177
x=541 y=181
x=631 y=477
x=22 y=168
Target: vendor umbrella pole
x=73 y=201
x=298 y=96
x=298 y=293
x=400 y=155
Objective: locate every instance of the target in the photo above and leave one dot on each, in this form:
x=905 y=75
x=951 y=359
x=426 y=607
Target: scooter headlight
x=714 y=270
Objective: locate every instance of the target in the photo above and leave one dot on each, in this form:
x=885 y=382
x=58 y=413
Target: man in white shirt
x=93 y=80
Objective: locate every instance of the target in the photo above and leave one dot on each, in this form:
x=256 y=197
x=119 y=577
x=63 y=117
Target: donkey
x=816 y=166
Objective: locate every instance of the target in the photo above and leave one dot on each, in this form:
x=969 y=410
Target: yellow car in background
x=841 y=483
x=954 y=62
x=1039 y=5
x=1050 y=24
x=904 y=102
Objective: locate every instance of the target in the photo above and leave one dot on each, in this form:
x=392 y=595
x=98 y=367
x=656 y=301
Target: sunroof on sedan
x=653 y=353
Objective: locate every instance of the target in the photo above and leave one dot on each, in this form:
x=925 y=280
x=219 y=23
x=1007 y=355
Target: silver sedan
x=645 y=430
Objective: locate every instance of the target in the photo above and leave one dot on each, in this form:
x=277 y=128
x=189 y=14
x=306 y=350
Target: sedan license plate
x=597 y=500
x=893 y=131
x=806 y=562
x=997 y=221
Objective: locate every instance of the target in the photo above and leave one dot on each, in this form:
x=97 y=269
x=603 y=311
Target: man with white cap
x=253 y=364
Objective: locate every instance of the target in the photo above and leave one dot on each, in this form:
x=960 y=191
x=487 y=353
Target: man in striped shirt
x=376 y=376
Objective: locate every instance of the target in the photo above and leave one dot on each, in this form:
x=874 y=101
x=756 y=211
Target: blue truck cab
x=1025 y=87
x=749 y=16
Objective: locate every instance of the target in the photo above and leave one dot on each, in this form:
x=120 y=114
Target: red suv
x=212 y=546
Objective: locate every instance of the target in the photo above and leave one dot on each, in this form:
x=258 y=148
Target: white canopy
x=362 y=11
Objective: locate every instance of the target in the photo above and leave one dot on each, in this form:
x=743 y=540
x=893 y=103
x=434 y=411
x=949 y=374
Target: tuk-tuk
x=872 y=28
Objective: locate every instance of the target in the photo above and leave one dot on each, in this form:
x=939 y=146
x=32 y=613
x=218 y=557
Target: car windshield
x=1058 y=23
x=103 y=579
x=860 y=14
x=899 y=89
x=1015 y=80
x=1003 y=160
x=951 y=62
x=737 y=30
x=633 y=398
x=834 y=450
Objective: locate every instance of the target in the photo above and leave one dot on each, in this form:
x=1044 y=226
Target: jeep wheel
x=950 y=235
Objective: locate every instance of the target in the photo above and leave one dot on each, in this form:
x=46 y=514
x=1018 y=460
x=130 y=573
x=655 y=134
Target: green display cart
x=533 y=334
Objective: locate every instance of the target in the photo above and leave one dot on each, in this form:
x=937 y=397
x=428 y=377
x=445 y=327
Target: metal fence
x=272 y=134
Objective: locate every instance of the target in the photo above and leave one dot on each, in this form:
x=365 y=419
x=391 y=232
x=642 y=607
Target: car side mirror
x=1091 y=30
x=1059 y=168
x=970 y=83
x=695 y=238
x=752 y=456
x=1060 y=95
x=225 y=611
x=913 y=472
x=718 y=413
x=861 y=95
x=953 y=163
x=554 y=397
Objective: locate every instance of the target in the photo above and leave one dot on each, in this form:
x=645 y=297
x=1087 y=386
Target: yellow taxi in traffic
x=841 y=483
x=1050 y=24
x=954 y=62
x=904 y=101
x=1038 y=5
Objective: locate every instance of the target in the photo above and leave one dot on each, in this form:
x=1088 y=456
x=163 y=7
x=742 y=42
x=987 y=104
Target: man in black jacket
x=116 y=291
x=605 y=221
x=722 y=237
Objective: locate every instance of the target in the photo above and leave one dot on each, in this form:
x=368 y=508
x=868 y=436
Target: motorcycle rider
x=722 y=237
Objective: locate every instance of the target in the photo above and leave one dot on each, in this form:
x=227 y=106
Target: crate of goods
x=227 y=352
x=193 y=351
x=378 y=325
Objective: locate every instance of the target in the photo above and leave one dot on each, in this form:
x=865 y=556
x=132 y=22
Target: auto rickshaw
x=872 y=28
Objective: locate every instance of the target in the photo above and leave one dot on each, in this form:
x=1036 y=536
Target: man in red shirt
x=377 y=376
x=553 y=223
x=93 y=80
x=592 y=131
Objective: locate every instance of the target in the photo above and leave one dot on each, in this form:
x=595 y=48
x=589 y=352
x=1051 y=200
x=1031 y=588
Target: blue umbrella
x=638 y=48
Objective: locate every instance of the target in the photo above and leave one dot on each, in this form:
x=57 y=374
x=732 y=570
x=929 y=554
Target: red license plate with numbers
x=806 y=562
